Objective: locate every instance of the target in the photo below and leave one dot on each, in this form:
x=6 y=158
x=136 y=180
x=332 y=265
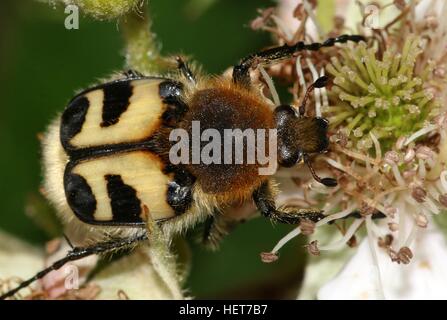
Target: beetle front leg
x=132 y=74
x=263 y=198
x=241 y=71
x=185 y=70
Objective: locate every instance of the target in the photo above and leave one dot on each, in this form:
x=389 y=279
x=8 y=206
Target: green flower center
x=386 y=96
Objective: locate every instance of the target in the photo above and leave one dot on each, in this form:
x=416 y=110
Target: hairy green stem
x=142 y=50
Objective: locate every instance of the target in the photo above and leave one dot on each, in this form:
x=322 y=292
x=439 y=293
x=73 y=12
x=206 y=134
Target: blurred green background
x=41 y=66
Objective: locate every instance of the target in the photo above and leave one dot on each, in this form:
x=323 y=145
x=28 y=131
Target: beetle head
x=299 y=136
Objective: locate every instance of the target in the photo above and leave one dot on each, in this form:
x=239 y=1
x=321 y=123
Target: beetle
x=106 y=158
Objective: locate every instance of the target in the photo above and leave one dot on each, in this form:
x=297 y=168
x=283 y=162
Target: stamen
x=389 y=191
x=397 y=175
x=335 y=216
x=411 y=236
x=377 y=148
x=270 y=85
x=324 y=94
x=443 y=178
x=300 y=74
x=297 y=231
x=431 y=205
x=317 y=91
x=422 y=172
x=341 y=167
x=381 y=293
x=312 y=17
x=348 y=235
x=294 y=233
x=333 y=203
x=402 y=222
x=285 y=30
x=420 y=133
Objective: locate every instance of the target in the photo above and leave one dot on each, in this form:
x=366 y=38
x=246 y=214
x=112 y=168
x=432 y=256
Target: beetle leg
x=132 y=74
x=216 y=228
x=263 y=198
x=184 y=69
x=241 y=72
x=79 y=253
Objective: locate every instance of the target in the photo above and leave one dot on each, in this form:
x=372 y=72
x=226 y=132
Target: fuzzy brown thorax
x=227 y=106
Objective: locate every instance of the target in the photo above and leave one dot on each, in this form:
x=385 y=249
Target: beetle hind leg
x=79 y=253
x=216 y=228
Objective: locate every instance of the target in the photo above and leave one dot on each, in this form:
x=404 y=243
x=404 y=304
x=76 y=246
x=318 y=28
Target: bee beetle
x=106 y=158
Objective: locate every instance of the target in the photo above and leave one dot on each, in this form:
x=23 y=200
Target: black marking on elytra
x=179 y=194
x=74 y=115
x=103 y=85
x=82 y=201
x=79 y=196
x=115 y=102
x=126 y=207
x=104 y=150
x=72 y=119
x=171 y=93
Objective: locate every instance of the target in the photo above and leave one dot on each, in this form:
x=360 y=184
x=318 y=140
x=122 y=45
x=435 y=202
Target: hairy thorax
x=224 y=107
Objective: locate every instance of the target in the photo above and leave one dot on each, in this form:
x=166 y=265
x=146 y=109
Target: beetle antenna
x=328 y=182
x=68 y=241
x=319 y=83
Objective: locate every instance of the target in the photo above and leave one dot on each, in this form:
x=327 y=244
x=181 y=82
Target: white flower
x=402 y=180
x=423 y=278
x=142 y=274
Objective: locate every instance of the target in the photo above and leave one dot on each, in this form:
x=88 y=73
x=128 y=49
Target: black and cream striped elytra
x=106 y=164
x=113 y=169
